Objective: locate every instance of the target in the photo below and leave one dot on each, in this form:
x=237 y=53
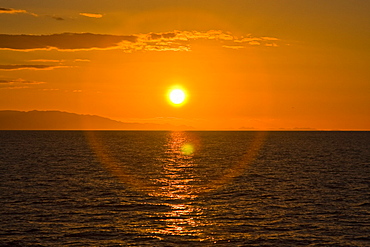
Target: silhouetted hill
x=57 y=120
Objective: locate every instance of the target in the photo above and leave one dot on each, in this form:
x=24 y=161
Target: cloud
x=22 y=11
x=235 y=47
x=81 y=60
x=28 y=66
x=254 y=43
x=15 y=87
x=92 y=15
x=46 y=60
x=166 y=41
x=50 y=89
x=18 y=83
x=182 y=40
x=63 y=41
x=15 y=11
x=270 y=38
x=58 y=18
x=11 y=11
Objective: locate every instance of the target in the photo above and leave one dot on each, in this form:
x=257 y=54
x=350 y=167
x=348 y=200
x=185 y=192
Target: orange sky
x=272 y=64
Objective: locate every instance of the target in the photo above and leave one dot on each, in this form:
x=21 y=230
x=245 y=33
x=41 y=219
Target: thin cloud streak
x=31 y=67
x=82 y=60
x=14 y=87
x=46 y=60
x=57 y=18
x=92 y=15
x=11 y=11
x=15 y=11
x=19 y=81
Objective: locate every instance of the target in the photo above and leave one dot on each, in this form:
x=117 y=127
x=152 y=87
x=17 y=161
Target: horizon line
x=194 y=130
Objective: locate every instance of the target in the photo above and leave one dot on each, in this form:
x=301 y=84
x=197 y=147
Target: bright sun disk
x=177 y=96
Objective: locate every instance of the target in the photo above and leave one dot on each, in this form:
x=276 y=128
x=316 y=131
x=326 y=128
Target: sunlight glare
x=177 y=96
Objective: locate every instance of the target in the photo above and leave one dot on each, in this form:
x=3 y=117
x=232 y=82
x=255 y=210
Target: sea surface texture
x=158 y=188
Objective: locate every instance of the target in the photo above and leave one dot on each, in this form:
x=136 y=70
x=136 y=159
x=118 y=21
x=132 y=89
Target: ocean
x=192 y=188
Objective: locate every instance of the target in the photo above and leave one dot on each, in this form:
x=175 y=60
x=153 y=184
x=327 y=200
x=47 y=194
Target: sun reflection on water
x=182 y=220
x=178 y=184
x=179 y=174
x=184 y=165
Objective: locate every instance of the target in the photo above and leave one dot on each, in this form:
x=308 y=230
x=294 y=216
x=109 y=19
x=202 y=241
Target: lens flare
x=187 y=149
x=176 y=172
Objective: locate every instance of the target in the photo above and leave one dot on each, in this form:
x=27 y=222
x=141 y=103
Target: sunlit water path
x=61 y=188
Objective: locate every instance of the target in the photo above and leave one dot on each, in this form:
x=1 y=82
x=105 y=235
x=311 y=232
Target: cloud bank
x=166 y=41
x=64 y=41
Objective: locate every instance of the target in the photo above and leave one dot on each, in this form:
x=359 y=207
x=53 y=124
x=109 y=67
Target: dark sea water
x=127 y=188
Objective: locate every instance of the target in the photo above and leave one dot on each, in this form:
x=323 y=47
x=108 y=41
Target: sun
x=177 y=96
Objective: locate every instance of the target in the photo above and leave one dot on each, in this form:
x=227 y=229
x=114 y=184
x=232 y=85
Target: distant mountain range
x=57 y=120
